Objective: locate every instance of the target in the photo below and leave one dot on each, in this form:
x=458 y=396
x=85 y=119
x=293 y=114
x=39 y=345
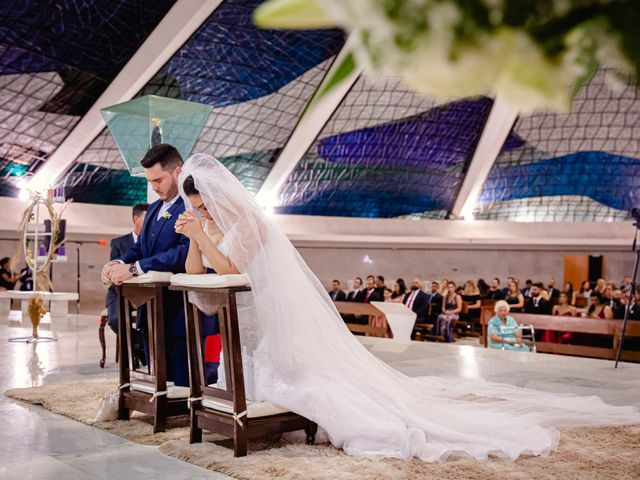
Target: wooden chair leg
x=103 y=347
x=160 y=417
x=311 y=429
x=239 y=441
x=123 y=412
x=195 y=432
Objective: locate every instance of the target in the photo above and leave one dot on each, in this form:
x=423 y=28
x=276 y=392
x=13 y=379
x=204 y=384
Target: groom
x=161 y=249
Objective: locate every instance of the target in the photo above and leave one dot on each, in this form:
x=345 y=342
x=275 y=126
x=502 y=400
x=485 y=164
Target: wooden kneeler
x=227 y=411
x=150 y=392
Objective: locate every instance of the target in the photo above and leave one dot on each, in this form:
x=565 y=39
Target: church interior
x=431 y=219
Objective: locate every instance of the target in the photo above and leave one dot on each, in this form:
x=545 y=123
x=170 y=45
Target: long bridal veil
x=306 y=360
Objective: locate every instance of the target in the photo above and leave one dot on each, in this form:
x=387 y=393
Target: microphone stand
x=633 y=289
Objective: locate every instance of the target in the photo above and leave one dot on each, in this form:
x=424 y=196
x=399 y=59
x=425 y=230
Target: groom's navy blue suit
x=160 y=248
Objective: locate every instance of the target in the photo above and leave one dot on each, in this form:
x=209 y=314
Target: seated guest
x=608 y=295
x=503 y=331
x=371 y=294
x=598 y=308
x=568 y=287
x=618 y=304
x=505 y=290
x=8 y=278
x=451 y=308
x=387 y=295
x=399 y=290
x=536 y=303
x=435 y=302
x=584 y=292
x=119 y=246
x=514 y=297
x=552 y=291
x=357 y=294
x=417 y=301
x=495 y=292
x=634 y=308
x=562 y=308
x=544 y=294
x=460 y=291
x=26 y=279
x=443 y=287
x=380 y=286
x=626 y=286
x=471 y=296
x=601 y=284
x=483 y=287
x=526 y=291
x=336 y=293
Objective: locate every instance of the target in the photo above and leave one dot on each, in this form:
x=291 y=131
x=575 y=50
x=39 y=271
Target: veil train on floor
x=305 y=359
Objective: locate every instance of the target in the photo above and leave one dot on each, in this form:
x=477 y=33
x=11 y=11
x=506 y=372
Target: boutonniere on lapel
x=165 y=216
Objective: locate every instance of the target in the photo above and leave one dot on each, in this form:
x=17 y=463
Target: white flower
x=443 y=50
x=165 y=216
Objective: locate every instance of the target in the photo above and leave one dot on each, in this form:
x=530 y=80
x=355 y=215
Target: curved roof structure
x=373 y=149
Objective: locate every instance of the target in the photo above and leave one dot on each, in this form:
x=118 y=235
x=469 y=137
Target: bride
x=306 y=360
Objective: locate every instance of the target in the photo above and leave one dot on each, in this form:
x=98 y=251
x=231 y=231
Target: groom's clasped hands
x=114 y=273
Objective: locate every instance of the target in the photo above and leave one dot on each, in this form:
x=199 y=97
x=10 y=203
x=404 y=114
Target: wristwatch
x=133 y=270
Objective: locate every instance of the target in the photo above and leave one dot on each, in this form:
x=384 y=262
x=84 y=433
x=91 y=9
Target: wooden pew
x=611 y=328
x=363 y=309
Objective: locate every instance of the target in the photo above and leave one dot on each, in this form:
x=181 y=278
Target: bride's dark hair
x=189 y=186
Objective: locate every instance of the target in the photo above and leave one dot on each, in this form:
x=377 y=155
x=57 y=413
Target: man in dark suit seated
x=336 y=293
x=554 y=293
x=160 y=248
x=367 y=295
x=380 y=287
x=417 y=301
x=435 y=303
x=371 y=293
x=634 y=308
x=356 y=295
x=119 y=247
x=495 y=292
x=537 y=304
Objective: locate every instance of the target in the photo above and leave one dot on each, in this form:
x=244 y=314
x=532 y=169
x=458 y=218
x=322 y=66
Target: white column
x=499 y=124
x=308 y=128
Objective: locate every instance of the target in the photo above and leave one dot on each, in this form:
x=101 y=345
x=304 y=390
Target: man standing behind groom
x=161 y=249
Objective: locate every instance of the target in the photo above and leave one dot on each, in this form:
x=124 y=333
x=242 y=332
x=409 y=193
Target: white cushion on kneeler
x=210 y=280
x=254 y=409
x=173 y=391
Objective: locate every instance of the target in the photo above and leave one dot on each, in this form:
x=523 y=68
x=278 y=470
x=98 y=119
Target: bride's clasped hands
x=189 y=225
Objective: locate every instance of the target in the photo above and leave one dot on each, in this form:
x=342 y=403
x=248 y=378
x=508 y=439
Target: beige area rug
x=80 y=401
x=585 y=453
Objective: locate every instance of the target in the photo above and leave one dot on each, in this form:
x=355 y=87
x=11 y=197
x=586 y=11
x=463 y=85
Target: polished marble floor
x=37 y=444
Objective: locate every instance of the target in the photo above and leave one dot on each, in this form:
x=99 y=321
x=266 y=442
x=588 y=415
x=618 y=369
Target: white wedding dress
x=303 y=358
